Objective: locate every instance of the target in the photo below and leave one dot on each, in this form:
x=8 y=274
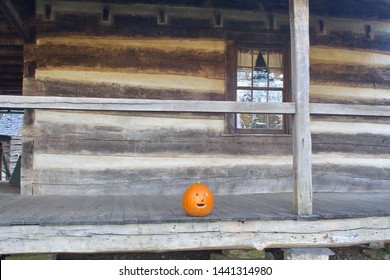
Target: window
x=259 y=75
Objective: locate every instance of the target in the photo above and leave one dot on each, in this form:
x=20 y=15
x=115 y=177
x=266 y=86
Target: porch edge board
x=175 y=236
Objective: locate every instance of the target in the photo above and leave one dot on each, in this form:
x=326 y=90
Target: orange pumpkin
x=198 y=200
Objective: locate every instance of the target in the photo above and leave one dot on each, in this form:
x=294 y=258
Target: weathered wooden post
x=300 y=48
x=1 y=161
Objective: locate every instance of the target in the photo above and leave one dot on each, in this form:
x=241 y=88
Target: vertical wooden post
x=1 y=161
x=300 y=73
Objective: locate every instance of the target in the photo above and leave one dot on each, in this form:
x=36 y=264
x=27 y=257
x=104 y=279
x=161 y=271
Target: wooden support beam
x=151 y=105
x=302 y=165
x=142 y=105
x=14 y=18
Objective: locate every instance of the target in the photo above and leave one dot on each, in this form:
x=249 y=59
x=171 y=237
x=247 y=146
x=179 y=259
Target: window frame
x=231 y=87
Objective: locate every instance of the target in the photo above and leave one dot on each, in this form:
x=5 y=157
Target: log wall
x=131 y=55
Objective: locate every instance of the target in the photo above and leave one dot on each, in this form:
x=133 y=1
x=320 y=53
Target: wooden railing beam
x=149 y=105
x=142 y=105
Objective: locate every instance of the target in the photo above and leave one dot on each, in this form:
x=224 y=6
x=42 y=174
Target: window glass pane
x=251 y=121
x=244 y=57
x=260 y=77
x=259 y=96
x=275 y=79
x=244 y=95
x=275 y=96
x=275 y=121
x=244 y=77
x=259 y=121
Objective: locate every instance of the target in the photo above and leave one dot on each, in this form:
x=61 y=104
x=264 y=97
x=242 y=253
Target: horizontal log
x=354 y=75
x=145 y=80
x=348 y=39
x=164 y=181
x=350 y=127
x=351 y=119
x=135 y=105
x=119 y=43
x=328 y=175
x=174 y=236
x=163 y=161
x=349 y=109
x=351 y=143
x=33 y=87
x=321 y=54
x=163 y=144
x=324 y=93
x=149 y=56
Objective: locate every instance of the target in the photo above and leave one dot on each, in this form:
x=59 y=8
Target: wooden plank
x=349 y=57
x=338 y=177
x=349 y=127
x=349 y=109
x=171 y=180
x=204 y=233
x=346 y=38
x=353 y=75
x=135 y=105
x=15 y=19
x=160 y=209
x=173 y=143
x=103 y=104
x=300 y=78
x=152 y=57
x=33 y=87
x=363 y=143
x=165 y=81
x=324 y=93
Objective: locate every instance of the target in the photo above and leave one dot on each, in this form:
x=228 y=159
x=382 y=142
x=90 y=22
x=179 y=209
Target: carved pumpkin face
x=198 y=200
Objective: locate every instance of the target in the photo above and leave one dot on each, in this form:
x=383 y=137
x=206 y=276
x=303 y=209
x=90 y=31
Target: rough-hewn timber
x=157 y=223
x=131 y=56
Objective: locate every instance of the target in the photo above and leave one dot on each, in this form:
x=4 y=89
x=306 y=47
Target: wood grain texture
x=300 y=81
x=171 y=142
x=134 y=105
x=348 y=56
x=74 y=224
x=363 y=143
x=350 y=127
x=33 y=87
x=183 y=57
x=324 y=93
x=164 y=81
x=353 y=75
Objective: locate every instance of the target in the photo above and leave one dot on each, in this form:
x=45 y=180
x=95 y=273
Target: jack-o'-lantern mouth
x=201 y=205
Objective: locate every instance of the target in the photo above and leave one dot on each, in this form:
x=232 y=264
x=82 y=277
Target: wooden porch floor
x=98 y=210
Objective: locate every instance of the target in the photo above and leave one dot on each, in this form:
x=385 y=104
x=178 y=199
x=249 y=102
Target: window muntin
x=260 y=77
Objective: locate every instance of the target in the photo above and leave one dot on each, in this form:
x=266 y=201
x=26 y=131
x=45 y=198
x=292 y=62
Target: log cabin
x=281 y=107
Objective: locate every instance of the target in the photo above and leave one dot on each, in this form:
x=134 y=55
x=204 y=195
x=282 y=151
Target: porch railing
x=151 y=105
